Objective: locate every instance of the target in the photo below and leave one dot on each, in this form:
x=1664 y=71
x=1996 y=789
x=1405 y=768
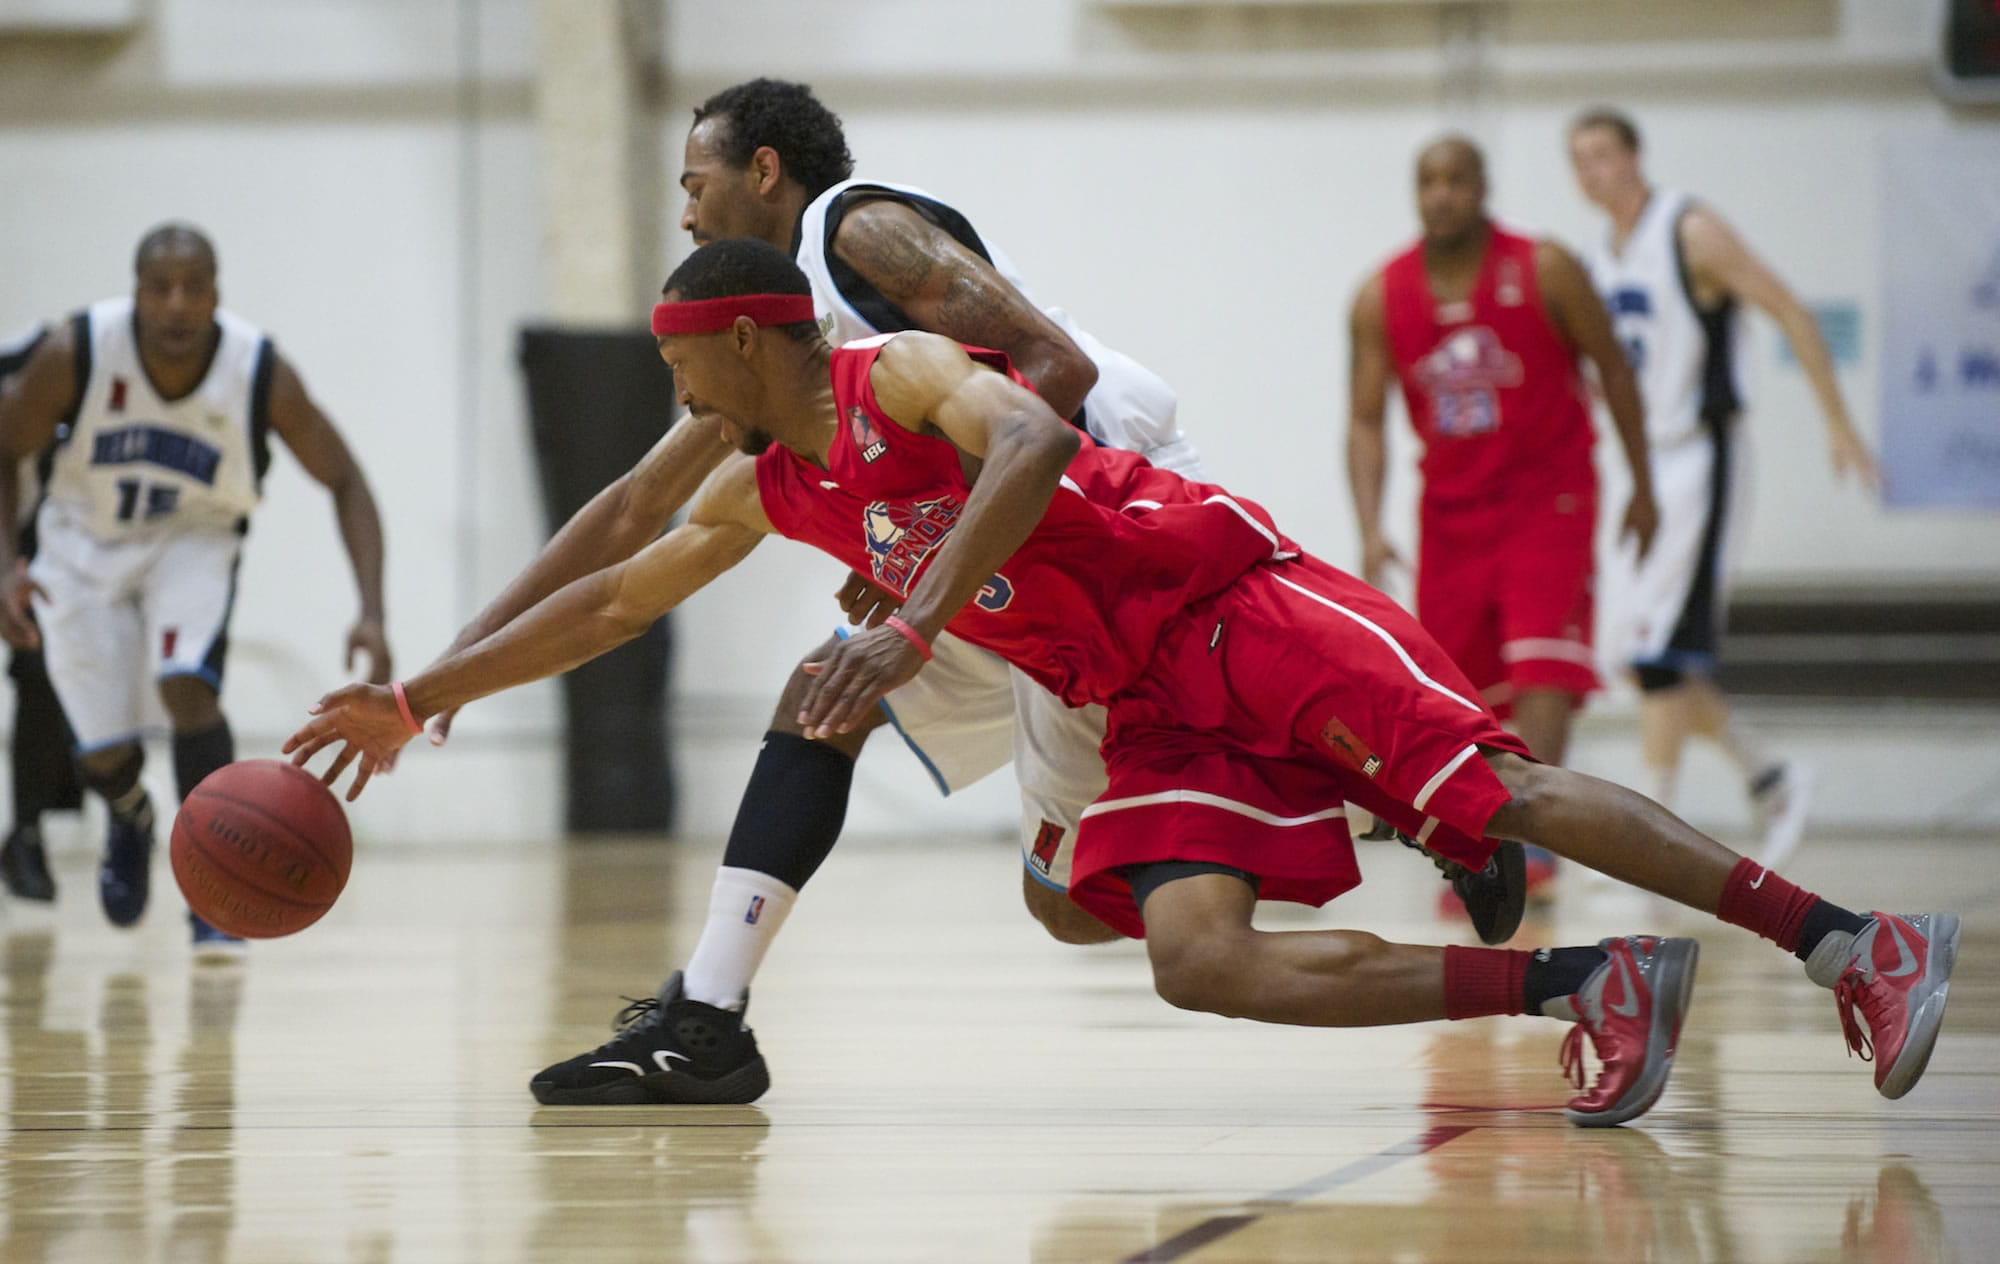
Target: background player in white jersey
x=765 y=159
x=166 y=404
x=44 y=777
x=1674 y=274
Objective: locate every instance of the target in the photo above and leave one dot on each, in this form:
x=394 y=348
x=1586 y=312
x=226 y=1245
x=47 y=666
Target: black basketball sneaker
x=1494 y=897
x=24 y=866
x=669 y=1051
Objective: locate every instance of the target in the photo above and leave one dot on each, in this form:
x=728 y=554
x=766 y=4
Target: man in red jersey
x=1483 y=329
x=1251 y=691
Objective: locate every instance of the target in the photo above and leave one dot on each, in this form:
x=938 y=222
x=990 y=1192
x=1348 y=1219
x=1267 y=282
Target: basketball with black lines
x=261 y=849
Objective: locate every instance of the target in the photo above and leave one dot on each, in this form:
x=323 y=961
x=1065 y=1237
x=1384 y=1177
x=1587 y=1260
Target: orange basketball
x=261 y=849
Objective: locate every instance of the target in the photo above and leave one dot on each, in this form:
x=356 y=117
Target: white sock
x=744 y=914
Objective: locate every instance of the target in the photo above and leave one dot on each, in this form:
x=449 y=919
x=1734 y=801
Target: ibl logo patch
x=169 y=638
x=1349 y=749
x=755 y=911
x=866 y=437
x=1048 y=841
x=117 y=394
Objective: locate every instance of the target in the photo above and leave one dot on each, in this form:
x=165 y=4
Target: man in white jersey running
x=766 y=160
x=165 y=404
x=1674 y=275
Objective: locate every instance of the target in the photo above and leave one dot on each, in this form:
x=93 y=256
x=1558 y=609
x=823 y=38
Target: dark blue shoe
x=213 y=944
x=123 y=878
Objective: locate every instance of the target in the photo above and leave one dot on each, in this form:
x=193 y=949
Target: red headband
x=711 y=315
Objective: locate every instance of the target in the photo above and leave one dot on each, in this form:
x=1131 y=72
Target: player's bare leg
x=1628 y=996
x=1542 y=719
x=1061 y=916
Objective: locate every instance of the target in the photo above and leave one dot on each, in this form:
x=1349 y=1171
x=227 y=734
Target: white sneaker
x=1781 y=812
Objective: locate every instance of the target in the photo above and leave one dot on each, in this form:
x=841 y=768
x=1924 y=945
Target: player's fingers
x=823 y=694
x=340 y=762
x=361 y=777
x=851 y=594
x=885 y=606
x=438 y=727
x=35 y=590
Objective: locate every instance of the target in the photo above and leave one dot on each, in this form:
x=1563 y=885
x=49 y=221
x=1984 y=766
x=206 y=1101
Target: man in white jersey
x=765 y=159
x=165 y=405
x=1674 y=275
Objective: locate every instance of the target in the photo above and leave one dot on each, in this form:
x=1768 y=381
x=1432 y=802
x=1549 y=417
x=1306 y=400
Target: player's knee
x=785 y=718
x=1062 y=917
x=112 y=771
x=1201 y=974
x=191 y=703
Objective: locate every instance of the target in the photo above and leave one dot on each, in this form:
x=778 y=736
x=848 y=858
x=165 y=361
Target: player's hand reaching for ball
x=367 y=719
x=858 y=673
x=17 y=618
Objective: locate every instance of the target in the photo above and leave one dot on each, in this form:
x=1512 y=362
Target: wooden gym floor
x=949 y=1086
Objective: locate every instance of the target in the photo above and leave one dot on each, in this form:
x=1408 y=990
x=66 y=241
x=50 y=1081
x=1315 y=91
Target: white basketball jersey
x=1130 y=407
x=133 y=462
x=1685 y=359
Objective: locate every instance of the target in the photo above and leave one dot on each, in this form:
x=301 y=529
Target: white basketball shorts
x=122 y=615
x=968 y=713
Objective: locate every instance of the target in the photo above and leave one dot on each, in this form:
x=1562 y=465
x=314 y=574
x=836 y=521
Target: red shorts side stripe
x=1205 y=799
x=1442 y=775
x=1410 y=664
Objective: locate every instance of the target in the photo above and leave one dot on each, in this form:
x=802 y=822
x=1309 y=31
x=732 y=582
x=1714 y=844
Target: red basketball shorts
x=1507 y=593
x=1265 y=710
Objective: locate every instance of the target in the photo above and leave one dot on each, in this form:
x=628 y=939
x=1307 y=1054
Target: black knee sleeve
x=44 y=772
x=1652 y=679
x=792 y=810
x=198 y=754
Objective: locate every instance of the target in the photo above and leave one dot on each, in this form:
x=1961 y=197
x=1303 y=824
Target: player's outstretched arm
x=32 y=405
x=619 y=521
x=1719 y=259
x=571 y=626
x=1579 y=314
x=947 y=289
x=928 y=384
x=325 y=456
x=1367 y=443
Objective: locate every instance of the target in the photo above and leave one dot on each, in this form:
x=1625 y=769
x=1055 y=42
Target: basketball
x=261 y=849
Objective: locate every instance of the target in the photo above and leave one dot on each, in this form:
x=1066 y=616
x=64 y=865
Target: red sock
x=1759 y=900
x=1482 y=981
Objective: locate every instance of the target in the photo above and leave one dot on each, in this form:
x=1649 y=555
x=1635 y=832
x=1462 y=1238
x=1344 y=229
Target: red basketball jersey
x=1491 y=385
x=1122 y=550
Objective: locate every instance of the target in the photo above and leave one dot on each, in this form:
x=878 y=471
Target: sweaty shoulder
x=914 y=372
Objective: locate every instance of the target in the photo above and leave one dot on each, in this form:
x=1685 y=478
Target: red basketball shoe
x=1896 y=972
x=1631 y=1008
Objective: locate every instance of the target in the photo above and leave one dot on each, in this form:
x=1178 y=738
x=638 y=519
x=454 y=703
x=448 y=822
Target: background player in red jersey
x=1483 y=328
x=1243 y=680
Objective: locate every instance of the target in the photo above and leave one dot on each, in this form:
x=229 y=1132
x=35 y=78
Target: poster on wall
x=1941 y=334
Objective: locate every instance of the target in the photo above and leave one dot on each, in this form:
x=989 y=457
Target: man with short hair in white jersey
x=765 y=159
x=164 y=405
x=1674 y=275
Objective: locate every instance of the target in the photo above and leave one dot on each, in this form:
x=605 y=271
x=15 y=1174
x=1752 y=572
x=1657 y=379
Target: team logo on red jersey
x=1048 y=841
x=1463 y=375
x=866 y=437
x=900 y=537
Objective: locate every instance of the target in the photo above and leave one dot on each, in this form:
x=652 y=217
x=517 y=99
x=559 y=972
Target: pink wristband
x=409 y=718
x=910 y=634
